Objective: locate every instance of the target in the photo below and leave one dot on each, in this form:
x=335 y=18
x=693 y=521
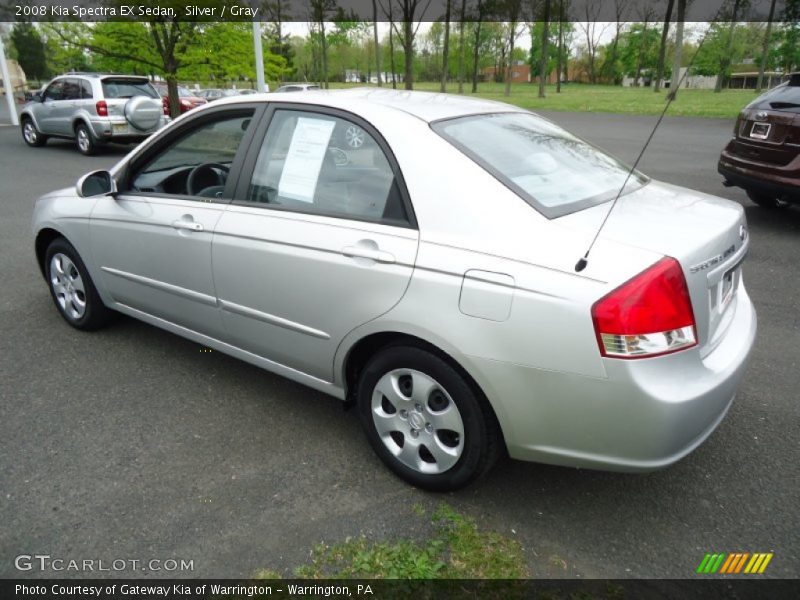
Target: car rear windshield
x=784 y=97
x=127 y=88
x=554 y=171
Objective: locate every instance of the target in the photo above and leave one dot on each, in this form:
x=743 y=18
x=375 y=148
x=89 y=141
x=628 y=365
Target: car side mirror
x=96 y=183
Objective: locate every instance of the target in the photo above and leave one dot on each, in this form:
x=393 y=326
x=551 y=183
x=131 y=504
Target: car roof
x=427 y=106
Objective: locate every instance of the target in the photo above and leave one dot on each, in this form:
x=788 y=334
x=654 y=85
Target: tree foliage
x=30 y=50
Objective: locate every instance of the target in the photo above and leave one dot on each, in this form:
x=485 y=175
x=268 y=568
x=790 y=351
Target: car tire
x=766 y=200
x=31 y=135
x=85 y=140
x=425 y=420
x=72 y=290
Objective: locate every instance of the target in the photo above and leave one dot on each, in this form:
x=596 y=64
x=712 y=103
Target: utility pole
x=12 y=108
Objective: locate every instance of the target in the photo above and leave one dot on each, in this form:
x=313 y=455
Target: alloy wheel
x=417 y=421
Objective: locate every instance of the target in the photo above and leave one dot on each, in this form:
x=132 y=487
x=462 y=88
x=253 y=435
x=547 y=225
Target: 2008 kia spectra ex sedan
x=427 y=274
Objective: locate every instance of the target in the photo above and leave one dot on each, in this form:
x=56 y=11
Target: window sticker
x=304 y=159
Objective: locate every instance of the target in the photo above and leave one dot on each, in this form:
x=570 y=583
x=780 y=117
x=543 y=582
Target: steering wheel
x=199 y=175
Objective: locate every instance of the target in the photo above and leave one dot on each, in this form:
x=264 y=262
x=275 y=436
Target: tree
x=378 y=66
x=477 y=44
x=545 y=59
x=725 y=59
x=30 y=50
x=278 y=11
x=765 y=48
x=609 y=68
x=560 y=58
x=320 y=12
x=788 y=51
x=514 y=8
x=593 y=34
x=461 y=46
x=675 y=79
x=446 y=49
x=408 y=12
x=662 y=49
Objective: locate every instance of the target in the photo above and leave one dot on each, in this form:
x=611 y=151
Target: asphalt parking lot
x=132 y=443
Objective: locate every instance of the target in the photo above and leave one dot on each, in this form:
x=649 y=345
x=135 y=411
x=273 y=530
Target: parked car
x=297 y=87
x=93 y=109
x=763 y=156
x=211 y=94
x=442 y=301
x=186 y=98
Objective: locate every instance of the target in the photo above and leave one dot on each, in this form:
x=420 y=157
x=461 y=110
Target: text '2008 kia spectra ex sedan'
x=427 y=275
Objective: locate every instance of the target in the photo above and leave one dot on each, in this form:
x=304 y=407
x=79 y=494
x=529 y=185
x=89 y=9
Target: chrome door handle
x=190 y=225
x=370 y=253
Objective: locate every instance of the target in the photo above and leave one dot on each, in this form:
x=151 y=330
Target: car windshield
x=783 y=97
x=127 y=88
x=554 y=171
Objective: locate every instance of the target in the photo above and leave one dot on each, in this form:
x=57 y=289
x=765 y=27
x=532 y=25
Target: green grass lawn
x=576 y=97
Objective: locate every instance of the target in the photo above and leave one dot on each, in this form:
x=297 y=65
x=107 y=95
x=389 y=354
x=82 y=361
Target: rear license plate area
x=726 y=288
x=120 y=128
x=760 y=131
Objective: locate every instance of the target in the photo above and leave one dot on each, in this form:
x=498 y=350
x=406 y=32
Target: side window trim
x=162 y=142
x=245 y=175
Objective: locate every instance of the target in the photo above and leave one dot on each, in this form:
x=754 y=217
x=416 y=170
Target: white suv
x=93 y=109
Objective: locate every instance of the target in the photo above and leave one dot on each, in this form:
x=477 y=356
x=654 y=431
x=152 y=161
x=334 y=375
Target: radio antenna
x=584 y=260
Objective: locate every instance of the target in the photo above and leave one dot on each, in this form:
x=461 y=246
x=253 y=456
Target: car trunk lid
x=707 y=235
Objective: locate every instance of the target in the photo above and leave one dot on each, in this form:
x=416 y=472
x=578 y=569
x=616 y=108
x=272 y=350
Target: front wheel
x=72 y=289
x=31 y=135
x=425 y=421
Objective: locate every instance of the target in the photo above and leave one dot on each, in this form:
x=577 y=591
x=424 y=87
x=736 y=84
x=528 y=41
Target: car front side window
x=322 y=164
x=54 y=91
x=197 y=162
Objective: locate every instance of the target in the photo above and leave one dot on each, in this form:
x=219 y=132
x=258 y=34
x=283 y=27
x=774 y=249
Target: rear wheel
x=425 y=420
x=84 y=139
x=766 y=200
x=72 y=289
x=31 y=135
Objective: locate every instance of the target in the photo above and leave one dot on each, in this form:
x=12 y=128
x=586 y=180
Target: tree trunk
x=408 y=48
x=446 y=49
x=377 y=47
x=391 y=47
x=476 y=48
x=765 y=48
x=512 y=30
x=172 y=94
x=324 y=52
x=675 y=79
x=639 y=56
x=559 y=64
x=461 y=47
x=662 y=51
x=725 y=61
x=545 y=40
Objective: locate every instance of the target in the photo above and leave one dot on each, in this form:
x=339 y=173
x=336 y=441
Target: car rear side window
x=785 y=97
x=127 y=88
x=86 y=90
x=321 y=164
x=554 y=171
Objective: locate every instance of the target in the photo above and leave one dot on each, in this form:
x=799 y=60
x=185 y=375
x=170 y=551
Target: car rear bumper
x=119 y=130
x=781 y=180
x=645 y=415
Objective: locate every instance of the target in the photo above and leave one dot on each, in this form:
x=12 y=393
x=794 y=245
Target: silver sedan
x=426 y=276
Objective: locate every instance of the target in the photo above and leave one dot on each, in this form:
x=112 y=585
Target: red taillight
x=165 y=104
x=102 y=108
x=649 y=315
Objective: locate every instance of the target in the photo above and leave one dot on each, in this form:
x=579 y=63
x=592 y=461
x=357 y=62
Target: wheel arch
x=44 y=238
x=360 y=352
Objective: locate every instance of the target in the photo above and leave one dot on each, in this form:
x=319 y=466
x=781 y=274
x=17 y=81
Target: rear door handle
x=190 y=225
x=370 y=253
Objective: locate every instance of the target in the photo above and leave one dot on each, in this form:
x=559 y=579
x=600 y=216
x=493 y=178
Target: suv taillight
x=102 y=108
x=649 y=315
